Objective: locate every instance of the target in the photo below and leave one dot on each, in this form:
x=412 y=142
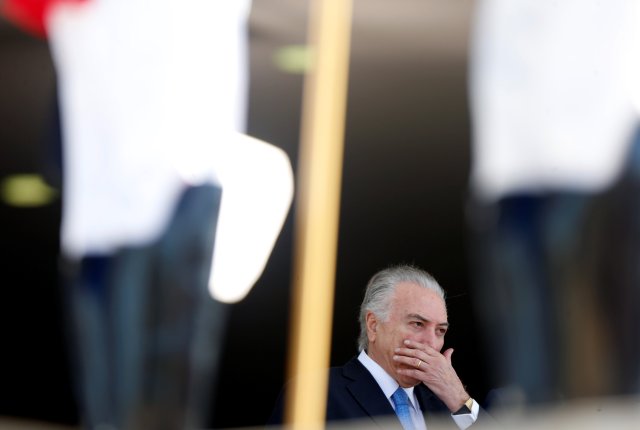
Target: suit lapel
x=367 y=393
x=429 y=402
x=431 y=405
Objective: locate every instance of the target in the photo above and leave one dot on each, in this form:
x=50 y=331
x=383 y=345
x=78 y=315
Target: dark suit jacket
x=355 y=395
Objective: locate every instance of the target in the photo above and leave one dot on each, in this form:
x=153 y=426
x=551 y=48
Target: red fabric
x=29 y=14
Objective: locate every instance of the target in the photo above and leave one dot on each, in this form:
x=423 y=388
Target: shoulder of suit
x=353 y=369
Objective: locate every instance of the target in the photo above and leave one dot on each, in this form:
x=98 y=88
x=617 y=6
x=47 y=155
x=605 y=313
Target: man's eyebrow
x=421 y=318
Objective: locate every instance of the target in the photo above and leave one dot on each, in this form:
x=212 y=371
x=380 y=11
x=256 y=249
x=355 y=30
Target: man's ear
x=372 y=326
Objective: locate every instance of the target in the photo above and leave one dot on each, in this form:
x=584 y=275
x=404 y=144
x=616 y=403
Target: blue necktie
x=401 y=402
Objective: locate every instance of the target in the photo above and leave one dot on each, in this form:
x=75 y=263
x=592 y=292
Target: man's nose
x=428 y=337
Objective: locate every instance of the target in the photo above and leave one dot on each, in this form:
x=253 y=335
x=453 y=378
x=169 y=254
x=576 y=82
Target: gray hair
x=380 y=289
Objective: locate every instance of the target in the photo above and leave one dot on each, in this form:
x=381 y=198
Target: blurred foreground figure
x=152 y=96
x=556 y=196
x=150 y=91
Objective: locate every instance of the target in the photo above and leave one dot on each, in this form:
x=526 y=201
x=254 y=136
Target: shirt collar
x=384 y=380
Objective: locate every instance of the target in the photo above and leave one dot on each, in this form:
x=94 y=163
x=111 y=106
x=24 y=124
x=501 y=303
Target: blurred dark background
x=403 y=199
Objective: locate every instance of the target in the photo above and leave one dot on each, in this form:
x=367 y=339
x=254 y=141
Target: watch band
x=466 y=408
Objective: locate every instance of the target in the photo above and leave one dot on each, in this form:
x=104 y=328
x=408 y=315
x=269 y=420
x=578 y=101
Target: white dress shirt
x=389 y=386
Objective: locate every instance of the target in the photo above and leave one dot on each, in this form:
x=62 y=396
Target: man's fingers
x=447 y=354
x=410 y=361
x=421 y=347
x=410 y=352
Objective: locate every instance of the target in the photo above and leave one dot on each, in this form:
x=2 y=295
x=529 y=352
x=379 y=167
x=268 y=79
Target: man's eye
x=417 y=323
x=442 y=331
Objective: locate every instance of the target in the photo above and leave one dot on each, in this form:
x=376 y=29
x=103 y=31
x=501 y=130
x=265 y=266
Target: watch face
x=469 y=404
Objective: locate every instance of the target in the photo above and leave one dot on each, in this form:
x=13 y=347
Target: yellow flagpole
x=317 y=212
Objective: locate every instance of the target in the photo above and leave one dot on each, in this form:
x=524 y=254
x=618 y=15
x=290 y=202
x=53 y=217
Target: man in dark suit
x=400 y=371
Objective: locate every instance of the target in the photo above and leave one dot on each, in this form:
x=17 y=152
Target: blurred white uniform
x=150 y=91
x=153 y=95
x=550 y=90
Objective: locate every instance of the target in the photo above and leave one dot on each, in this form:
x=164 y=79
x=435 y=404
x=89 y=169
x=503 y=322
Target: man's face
x=415 y=313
